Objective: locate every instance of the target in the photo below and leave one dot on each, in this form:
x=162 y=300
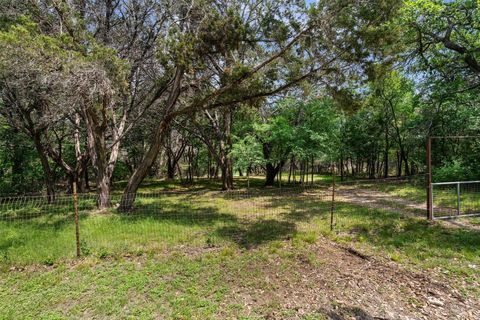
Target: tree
x=394 y=97
x=126 y=71
x=445 y=37
x=109 y=43
x=247 y=153
x=30 y=87
x=300 y=131
x=241 y=64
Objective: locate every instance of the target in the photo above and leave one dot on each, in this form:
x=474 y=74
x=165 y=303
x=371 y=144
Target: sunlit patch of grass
x=414 y=192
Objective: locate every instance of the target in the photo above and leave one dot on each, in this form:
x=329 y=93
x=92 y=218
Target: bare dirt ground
x=345 y=285
x=382 y=200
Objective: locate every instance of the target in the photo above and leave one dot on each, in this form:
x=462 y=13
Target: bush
x=453 y=171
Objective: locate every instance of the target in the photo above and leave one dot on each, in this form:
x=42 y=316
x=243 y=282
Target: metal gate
x=455 y=199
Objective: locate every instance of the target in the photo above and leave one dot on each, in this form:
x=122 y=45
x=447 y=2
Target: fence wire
x=35 y=230
x=455 y=199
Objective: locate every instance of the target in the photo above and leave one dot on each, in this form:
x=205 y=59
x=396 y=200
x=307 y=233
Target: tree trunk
x=312 y=162
x=227 y=173
x=230 y=173
x=170 y=168
x=342 y=172
x=225 y=185
x=98 y=153
x=271 y=173
x=385 y=154
x=290 y=170
x=86 y=179
x=129 y=194
x=405 y=161
x=225 y=147
x=399 y=164
x=47 y=172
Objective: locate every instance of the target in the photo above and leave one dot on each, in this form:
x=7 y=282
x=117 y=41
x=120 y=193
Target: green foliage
x=455 y=170
x=446 y=35
x=366 y=103
x=246 y=152
x=20 y=169
x=301 y=129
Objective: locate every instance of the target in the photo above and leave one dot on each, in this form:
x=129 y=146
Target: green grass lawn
x=174 y=226
x=34 y=233
x=444 y=197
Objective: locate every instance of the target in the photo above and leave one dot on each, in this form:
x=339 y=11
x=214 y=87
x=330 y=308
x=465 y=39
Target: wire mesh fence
x=455 y=199
x=34 y=229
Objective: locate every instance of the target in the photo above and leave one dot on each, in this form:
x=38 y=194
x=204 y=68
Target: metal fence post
x=429 y=180
x=75 y=208
x=458 y=198
x=430 y=212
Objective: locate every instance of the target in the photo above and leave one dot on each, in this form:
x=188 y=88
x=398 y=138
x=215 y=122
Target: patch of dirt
x=382 y=200
x=344 y=284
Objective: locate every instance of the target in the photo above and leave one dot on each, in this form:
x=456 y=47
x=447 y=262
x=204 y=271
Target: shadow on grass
x=256 y=182
x=248 y=219
x=178 y=213
x=254 y=233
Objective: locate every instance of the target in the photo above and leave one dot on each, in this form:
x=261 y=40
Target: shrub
x=453 y=171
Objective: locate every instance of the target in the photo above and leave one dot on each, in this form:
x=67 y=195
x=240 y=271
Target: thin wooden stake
x=75 y=207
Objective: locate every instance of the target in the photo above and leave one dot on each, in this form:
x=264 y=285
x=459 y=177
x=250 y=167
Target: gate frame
x=457 y=184
x=429 y=169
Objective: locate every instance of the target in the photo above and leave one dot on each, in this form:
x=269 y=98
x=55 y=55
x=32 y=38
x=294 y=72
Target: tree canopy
x=132 y=89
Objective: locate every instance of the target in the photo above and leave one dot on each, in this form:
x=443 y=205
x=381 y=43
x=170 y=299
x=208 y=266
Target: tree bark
x=385 y=154
x=96 y=128
x=170 y=168
x=129 y=194
x=47 y=172
x=271 y=172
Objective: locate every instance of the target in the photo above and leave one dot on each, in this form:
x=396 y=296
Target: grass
x=180 y=254
x=444 y=196
x=175 y=285
x=412 y=241
x=162 y=221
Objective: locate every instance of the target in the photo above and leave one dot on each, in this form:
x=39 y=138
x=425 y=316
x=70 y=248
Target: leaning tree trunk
x=130 y=192
x=47 y=172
